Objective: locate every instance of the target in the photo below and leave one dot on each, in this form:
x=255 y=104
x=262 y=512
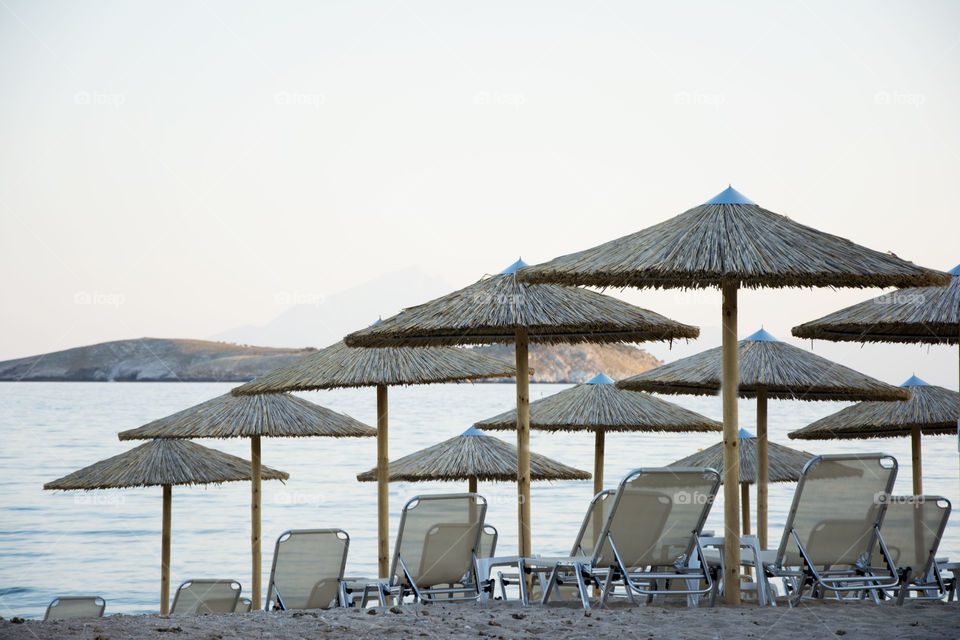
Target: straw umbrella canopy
x=472 y=456
x=164 y=463
x=253 y=417
x=340 y=366
x=925 y=315
x=784 y=465
x=766 y=368
x=501 y=309
x=599 y=406
x=730 y=242
x=930 y=410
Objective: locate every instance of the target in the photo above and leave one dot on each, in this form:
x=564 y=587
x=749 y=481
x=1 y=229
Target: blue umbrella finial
x=513 y=268
x=914 y=381
x=473 y=431
x=729 y=196
x=743 y=433
x=761 y=336
x=600 y=378
x=955 y=271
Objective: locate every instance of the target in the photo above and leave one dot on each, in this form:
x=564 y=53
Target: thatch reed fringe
x=783 y=370
x=933 y=409
x=593 y=407
x=472 y=454
x=492 y=309
x=341 y=366
x=275 y=415
x=741 y=243
x=785 y=464
x=163 y=462
x=928 y=315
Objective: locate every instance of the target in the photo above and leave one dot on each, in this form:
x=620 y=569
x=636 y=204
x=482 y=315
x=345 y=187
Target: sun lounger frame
x=636 y=582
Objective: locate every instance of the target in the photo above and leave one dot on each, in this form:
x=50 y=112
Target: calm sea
x=108 y=542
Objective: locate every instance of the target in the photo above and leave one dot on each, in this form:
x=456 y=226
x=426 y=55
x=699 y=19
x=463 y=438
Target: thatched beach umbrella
x=599 y=406
x=339 y=366
x=730 y=242
x=766 y=368
x=930 y=410
x=500 y=309
x=784 y=465
x=924 y=315
x=472 y=456
x=164 y=463
x=276 y=416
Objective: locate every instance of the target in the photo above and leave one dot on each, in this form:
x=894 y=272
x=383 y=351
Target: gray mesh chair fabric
x=834 y=523
x=649 y=537
x=307 y=569
x=488 y=541
x=206 y=596
x=244 y=605
x=912 y=529
x=69 y=607
x=436 y=545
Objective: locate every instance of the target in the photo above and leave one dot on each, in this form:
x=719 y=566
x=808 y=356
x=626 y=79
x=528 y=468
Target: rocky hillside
x=579 y=362
x=157 y=359
x=152 y=359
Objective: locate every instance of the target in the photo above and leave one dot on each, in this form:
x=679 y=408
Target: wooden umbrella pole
x=523 y=443
x=763 y=469
x=255 y=520
x=472 y=484
x=731 y=458
x=915 y=460
x=598 y=462
x=383 y=485
x=745 y=507
x=165 y=551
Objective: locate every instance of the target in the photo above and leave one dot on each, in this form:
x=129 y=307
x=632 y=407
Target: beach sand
x=503 y=620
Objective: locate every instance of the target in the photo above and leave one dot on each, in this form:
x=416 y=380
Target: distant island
x=574 y=363
x=179 y=360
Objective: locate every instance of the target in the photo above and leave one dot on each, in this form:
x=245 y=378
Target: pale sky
x=176 y=169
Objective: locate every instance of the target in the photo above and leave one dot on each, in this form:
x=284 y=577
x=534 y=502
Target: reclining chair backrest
x=656 y=515
x=838 y=501
x=438 y=538
x=206 y=596
x=69 y=607
x=488 y=541
x=912 y=529
x=307 y=568
x=593 y=522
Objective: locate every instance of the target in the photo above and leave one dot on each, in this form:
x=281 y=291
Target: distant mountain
x=152 y=359
x=573 y=363
x=319 y=321
x=157 y=359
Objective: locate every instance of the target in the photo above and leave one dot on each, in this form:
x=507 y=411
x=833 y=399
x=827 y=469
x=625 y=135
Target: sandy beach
x=508 y=620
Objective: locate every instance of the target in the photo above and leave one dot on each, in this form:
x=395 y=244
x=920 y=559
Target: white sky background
x=167 y=168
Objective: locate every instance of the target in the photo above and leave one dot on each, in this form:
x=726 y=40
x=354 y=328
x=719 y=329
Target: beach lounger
x=244 y=605
x=205 y=596
x=307 y=569
x=832 y=527
x=912 y=529
x=649 y=539
x=435 y=554
x=69 y=607
x=584 y=543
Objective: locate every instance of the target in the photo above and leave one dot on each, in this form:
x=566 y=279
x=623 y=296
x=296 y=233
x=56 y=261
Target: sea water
x=107 y=542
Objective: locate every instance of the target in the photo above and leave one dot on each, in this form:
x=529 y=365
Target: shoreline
x=812 y=620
